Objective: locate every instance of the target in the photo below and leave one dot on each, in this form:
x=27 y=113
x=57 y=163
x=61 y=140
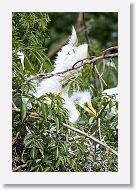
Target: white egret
x=66 y=58
x=81 y=98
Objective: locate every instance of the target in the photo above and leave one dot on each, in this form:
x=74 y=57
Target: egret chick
x=83 y=99
x=66 y=58
x=70 y=54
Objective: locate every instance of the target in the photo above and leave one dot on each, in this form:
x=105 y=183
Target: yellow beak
x=91 y=110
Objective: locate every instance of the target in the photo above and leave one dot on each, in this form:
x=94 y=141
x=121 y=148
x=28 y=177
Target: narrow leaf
x=33 y=153
x=23 y=111
x=28 y=143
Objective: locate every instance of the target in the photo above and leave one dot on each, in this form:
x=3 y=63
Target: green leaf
x=34 y=168
x=23 y=111
x=57 y=152
x=39 y=145
x=29 y=143
x=27 y=137
x=38 y=161
x=58 y=163
x=57 y=122
x=33 y=153
x=47 y=169
x=44 y=110
x=29 y=62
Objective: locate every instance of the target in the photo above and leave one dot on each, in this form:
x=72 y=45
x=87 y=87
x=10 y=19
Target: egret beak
x=90 y=109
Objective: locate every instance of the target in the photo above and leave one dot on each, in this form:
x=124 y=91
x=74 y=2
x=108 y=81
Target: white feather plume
x=49 y=85
x=66 y=58
x=70 y=54
x=77 y=98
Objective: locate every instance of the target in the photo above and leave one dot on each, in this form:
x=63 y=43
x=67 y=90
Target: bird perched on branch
x=70 y=54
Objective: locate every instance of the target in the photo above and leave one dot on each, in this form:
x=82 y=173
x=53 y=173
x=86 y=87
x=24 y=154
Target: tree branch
x=91 y=138
x=110 y=49
x=99 y=114
x=75 y=66
x=86 y=35
x=30 y=114
x=79 y=20
x=19 y=167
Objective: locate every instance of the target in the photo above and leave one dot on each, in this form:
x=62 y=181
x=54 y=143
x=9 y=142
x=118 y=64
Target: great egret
x=81 y=98
x=66 y=58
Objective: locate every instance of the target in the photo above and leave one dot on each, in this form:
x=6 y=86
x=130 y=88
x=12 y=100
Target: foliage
x=43 y=143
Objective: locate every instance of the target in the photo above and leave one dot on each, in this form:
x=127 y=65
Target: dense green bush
x=41 y=143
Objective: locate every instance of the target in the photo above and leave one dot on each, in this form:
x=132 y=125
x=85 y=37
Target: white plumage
x=49 y=85
x=66 y=58
x=70 y=54
x=81 y=98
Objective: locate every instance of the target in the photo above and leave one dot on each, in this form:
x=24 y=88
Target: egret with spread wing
x=66 y=58
x=70 y=54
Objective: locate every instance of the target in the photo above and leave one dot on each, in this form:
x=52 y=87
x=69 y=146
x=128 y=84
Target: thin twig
x=30 y=114
x=16 y=137
x=100 y=76
x=13 y=105
x=89 y=61
x=77 y=130
x=86 y=35
x=110 y=49
x=99 y=114
x=99 y=128
x=94 y=79
x=90 y=137
x=19 y=167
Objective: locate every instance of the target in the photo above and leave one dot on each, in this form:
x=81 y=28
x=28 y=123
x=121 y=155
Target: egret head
x=83 y=99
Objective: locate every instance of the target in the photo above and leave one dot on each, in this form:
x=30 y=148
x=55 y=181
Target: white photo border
x=123 y=174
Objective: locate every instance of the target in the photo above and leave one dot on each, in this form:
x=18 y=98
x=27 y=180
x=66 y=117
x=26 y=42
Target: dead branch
x=19 y=167
x=90 y=137
x=69 y=127
x=86 y=34
x=110 y=49
x=75 y=66
x=79 y=20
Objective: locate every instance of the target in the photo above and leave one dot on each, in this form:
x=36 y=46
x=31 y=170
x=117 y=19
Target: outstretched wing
x=64 y=55
x=70 y=54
